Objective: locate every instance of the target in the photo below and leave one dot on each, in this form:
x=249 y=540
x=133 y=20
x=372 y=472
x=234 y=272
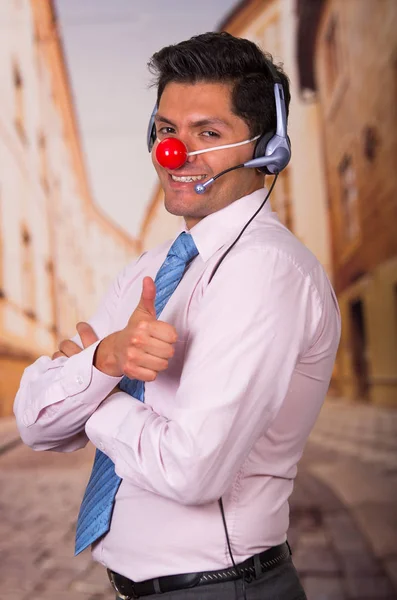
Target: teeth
x=187 y=179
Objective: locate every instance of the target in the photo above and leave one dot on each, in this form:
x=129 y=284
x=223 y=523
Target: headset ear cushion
x=260 y=148
x=153 y=138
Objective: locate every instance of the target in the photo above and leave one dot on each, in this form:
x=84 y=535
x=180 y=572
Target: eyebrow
x=199 y=123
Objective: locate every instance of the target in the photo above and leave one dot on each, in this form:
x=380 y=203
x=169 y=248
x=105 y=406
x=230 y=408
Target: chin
x=176 y=206
x=185 y=208
x=179 y=203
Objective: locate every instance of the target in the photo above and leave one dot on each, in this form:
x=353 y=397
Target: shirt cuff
x=103 y=425
x=80 y=375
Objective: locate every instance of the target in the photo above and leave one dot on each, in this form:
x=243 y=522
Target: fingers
x=57 y=355
x=142 y=374
x=86 y=333
x=69 y=348
x=160 y=330
x=143 y=366
x=141 y=360
x=156 y=348
x=143 y=340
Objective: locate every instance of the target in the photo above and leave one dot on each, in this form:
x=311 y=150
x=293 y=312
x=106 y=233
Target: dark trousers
x=282 y=583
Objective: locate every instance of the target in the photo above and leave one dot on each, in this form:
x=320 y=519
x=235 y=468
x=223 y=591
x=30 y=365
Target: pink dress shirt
x=229 y=417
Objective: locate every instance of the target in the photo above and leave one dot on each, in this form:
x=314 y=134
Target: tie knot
x=184 y=247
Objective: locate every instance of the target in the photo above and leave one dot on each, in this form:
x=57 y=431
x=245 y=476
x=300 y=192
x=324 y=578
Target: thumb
x=148 y=296
x=86 y=333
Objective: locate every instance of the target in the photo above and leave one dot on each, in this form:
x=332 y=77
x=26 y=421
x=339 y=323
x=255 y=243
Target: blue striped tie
x=97 y=506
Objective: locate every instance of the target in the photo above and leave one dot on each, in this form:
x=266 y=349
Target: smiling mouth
x=188 y=178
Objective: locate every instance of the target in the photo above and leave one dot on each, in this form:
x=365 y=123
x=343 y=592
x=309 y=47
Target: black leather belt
x=251 y=568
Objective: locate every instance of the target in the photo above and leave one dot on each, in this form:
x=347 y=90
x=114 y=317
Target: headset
x=272 y=154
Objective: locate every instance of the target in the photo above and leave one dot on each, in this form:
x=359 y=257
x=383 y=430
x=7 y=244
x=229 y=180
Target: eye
x=166 y=131
x=210 y=134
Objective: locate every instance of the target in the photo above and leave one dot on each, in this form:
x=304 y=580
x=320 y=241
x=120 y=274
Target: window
x=349 y=194
x=37 y=43
x=19 y=114
x=63 y=308
x=332 y=61
x=28 y=279
x=359 y=348
x=43 y=166
x=370 y=142
x=395 y=302
x=52 y=292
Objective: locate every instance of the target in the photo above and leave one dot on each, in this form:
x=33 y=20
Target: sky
x=107 y=46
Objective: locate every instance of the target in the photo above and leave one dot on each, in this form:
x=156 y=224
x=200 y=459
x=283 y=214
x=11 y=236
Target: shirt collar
x=215 y=230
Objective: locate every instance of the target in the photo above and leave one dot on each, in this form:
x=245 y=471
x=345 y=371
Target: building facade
x=51 y=233
x=299 y=196
x=349 y=52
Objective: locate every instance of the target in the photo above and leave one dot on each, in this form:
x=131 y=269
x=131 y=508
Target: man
x=234 y=372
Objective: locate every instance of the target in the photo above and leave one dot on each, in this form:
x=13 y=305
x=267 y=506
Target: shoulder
x=269 y=264
x=270 y=275
x=143 y=264
x=268 y=249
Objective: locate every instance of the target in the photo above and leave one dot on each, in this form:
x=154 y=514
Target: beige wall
x=362 y=96
x=355 y=65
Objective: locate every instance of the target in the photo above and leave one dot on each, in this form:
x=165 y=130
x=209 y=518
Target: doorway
x=359 y=349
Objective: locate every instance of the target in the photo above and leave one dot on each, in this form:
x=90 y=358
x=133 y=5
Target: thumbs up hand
x=142 y=349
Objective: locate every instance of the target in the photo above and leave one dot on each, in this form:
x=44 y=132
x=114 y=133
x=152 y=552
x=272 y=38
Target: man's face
x=200 y=115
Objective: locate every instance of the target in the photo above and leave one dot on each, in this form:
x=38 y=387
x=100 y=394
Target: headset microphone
x=272 y=163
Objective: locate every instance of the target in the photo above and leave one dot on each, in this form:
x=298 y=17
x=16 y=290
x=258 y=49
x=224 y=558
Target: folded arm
x=240 y=357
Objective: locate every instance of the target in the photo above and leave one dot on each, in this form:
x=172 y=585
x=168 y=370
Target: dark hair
x=221 y=57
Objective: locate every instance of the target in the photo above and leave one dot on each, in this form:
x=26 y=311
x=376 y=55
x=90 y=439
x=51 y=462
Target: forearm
x=56 y=398
x=190 y=458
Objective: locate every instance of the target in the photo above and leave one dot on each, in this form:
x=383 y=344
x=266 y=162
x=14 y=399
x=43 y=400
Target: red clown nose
x=171 y=153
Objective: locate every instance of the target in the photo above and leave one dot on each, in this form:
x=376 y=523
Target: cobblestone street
x=343 y=519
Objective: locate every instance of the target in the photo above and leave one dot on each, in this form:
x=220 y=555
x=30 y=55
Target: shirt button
x=101 y=446
x=79 y=379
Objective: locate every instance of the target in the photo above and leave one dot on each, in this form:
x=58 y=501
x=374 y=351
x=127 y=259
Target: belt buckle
x=119 y=592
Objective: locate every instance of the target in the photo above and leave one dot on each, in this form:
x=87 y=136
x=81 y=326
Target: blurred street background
x=76 y=183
